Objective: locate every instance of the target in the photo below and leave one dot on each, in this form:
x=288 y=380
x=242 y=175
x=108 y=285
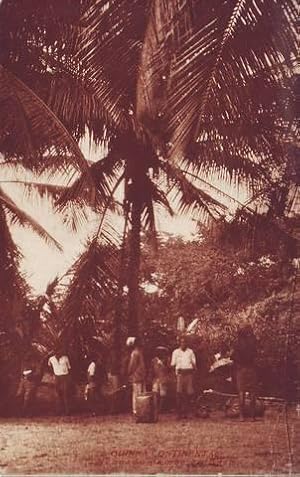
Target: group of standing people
x=182 y=362
x=32 y=375
x=59 y=365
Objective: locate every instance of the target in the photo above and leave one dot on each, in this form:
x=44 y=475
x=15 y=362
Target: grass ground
x=112 y=444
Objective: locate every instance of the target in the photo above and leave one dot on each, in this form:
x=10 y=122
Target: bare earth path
x=116 y=444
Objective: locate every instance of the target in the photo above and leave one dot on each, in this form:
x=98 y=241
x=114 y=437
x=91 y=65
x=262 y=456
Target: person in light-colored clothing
x=95 y=380
x=90 y=388
x=61 y=367
x=184 y=362
x=136 y=370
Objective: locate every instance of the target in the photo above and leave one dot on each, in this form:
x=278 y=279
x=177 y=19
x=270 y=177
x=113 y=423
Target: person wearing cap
x=61 y=367
x=136 y=370
x=184 y=362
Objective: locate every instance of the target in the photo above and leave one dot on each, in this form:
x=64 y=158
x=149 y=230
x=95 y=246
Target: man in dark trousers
x=184 y=363
x=27 y=389
x=60 y=365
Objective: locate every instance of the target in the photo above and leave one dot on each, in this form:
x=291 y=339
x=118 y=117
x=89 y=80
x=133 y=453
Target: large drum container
x=146 y=408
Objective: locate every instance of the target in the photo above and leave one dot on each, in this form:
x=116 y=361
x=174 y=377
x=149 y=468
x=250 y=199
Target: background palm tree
x=19 y=319
x=13 y=286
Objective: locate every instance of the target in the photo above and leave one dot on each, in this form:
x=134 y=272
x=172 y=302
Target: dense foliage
x=225 y=284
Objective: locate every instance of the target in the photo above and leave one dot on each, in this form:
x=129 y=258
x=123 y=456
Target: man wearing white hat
x=136 y=369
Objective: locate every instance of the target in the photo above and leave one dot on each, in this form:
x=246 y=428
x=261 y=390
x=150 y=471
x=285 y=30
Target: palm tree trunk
x=118 y=312
x=134 y=269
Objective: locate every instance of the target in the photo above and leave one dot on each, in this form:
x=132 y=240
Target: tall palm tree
x=203 y=86
x=174 y=87
x=126 y=143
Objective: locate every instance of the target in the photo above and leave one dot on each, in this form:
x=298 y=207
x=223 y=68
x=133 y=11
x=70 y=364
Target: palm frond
x=106 y=177
x=190 y=197
x=251 y=143
x=51 y=287
x=93 y=279
x=13 y=287
x=21 y=218
x=43 y=189
x=80 y=107
x=108 y=52
x=153 y=196
x=247 y=47
x=102 y=173
x=219 y=192
x=214 y=50
x=26 y=117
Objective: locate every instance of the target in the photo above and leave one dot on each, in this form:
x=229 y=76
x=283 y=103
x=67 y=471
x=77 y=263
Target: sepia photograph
x=149 y=238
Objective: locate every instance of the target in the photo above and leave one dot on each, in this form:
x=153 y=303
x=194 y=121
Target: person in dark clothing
x=28 y=385
x=159 y=374
x=136 y=370
x=244 y=356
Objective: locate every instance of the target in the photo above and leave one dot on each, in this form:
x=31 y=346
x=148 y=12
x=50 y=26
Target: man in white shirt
x=60 y=365
x=184 y=363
